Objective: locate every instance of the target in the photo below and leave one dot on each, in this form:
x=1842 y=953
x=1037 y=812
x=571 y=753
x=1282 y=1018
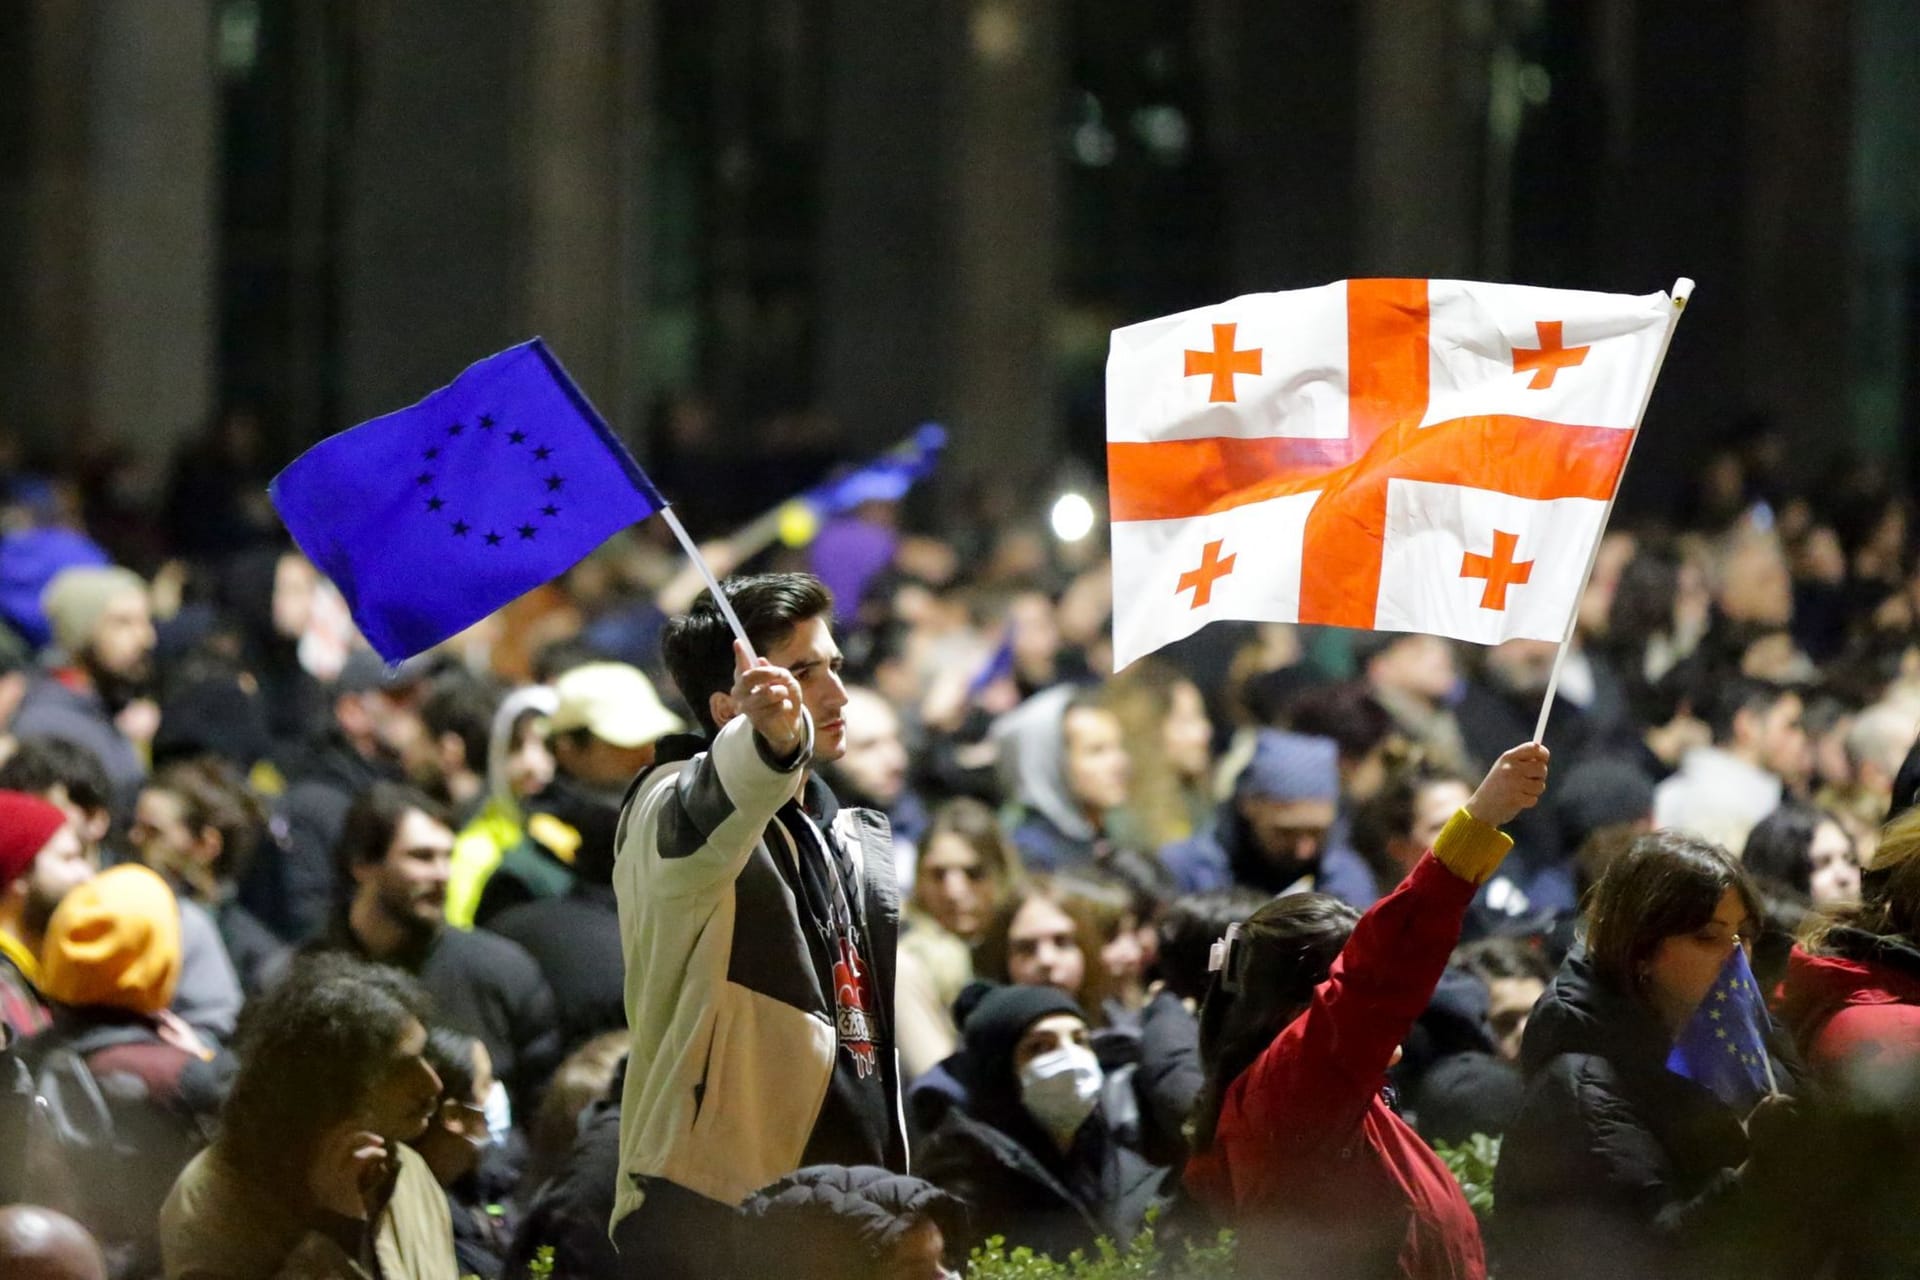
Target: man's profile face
x=808 y=651
x=411 y=884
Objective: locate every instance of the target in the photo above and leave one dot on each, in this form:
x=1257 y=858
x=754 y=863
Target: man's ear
x=453 y=753
x=208 y=845
x=722 y=708
x=99 y=822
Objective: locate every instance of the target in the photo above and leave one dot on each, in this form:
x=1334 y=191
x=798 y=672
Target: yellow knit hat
x=114 y=941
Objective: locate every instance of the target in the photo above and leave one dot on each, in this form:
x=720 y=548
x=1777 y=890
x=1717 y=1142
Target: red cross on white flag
x=1405 y=455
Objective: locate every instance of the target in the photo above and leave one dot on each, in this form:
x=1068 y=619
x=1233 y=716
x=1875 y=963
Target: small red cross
x=1499 y=570
x=1223 y=362
x=1549 y=358
x=1200 y=580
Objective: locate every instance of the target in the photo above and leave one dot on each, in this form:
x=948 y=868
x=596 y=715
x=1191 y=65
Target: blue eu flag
x=885 y=479
x=431 y=518
x=1724 y=1045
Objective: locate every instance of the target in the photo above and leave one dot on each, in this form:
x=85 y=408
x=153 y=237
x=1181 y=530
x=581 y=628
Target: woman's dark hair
x=37 y=765
x=1777 y=849
x=310 y=1050
x=697 y=646
x=450 y=1054
x=367 y=832
x=1665 y=884
x=213 y=796
x=1190 y=927
x=1285 y=950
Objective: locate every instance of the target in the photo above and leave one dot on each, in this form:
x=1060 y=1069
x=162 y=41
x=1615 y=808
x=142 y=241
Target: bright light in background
x=1072 y=517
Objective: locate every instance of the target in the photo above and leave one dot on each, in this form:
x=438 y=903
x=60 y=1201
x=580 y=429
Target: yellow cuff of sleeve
x=1470 y=848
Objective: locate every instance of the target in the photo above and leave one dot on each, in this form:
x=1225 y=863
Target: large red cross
x=1387 y=359
x=1499 y=569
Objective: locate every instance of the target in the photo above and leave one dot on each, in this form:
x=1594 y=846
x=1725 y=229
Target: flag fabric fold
x=430 y=518
x=1411 y=455
x=1723 y=1047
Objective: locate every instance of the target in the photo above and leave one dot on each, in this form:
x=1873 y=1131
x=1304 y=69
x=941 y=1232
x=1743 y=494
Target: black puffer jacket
x=1018 y=1186
x=1616 y=1167
x=833 y=1222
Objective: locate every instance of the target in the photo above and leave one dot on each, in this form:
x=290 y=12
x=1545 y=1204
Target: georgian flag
x=1399 y=455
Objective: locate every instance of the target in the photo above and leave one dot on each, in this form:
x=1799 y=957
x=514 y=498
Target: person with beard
x=374 y=735
x=1273 y=833
x=606 y=719
x=311 y=1174
x=70 y=778
x=394 y=850
x=41 y=859
x=95 y=693
x=873 y=772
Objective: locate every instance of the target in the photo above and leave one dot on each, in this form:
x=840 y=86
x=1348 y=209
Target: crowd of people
x=597 y=935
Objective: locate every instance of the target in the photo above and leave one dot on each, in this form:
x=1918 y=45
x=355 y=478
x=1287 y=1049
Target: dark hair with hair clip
x=1269 y=969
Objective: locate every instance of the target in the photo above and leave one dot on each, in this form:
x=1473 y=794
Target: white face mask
x=1060 y=1089
x=499 y=1113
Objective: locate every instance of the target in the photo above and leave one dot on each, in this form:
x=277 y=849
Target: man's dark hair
x=450 y=1054
x=1189 y=929
x=1733 y=694
x=39 y=764
x=1494 y=959
x=460 y=704
x=1665 y=885
x=697 y=646
x=1348 y=713
x=213 y=795
x=310 y=1050
x=1388 y=814
x=367 y=832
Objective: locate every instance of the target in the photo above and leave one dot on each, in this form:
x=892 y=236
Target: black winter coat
x=1051 y=1204
x=576 y=942
x=1616 y=1167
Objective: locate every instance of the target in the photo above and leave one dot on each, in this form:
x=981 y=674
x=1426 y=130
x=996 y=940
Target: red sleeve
x=1313 y=1084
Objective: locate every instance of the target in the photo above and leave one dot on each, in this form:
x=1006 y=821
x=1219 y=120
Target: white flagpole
x=713 y=584
x=1682 y=290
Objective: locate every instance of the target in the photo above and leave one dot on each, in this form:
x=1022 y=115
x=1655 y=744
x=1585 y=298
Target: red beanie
x=26 y=824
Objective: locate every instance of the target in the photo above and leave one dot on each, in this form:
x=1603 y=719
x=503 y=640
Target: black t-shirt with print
x=856 y=1123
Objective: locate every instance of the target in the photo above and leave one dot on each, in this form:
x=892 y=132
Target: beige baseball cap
x=614 y=702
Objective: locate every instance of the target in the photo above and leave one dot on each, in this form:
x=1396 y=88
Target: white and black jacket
x=733 y=1041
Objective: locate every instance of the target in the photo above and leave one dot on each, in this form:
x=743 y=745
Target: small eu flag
x=1724 y=1046
x=431 y=518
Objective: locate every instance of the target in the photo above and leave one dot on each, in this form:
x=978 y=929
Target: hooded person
x=1031 y=1150
x=1063 y=765
x=41 y=857
x=103 y=640
x=519 y=766
x=833 y=1222
x=606 y=721
x=1278 y=832
x=109 y=968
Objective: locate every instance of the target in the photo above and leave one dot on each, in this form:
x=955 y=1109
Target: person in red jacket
x=1852 y=995
x=1294 y=1144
